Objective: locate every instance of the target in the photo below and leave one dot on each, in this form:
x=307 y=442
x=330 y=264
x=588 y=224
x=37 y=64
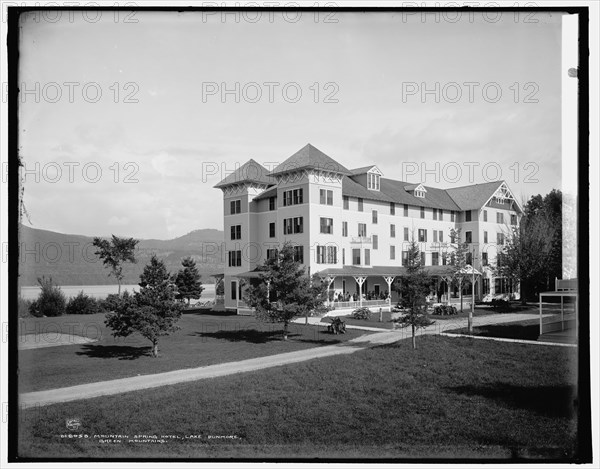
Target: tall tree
x=152 y=312
x=284 y=290
x=458 y=271
x=115 y=253
x=188 y=281
x=415 y=288
x=525 y=256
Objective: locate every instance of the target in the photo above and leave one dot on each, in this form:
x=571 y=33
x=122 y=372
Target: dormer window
x=373 y=181
x=418 y=190
x=420 y=194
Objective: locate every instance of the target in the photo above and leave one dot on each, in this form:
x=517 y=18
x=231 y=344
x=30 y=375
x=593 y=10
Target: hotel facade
x=353 y=228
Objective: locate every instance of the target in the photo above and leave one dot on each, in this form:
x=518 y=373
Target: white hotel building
x=352 y=227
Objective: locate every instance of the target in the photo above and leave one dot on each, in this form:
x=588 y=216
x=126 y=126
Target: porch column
x=269 y=291
x=329 y=279
x=360 y=281
x=237 y=293
x=389 y=281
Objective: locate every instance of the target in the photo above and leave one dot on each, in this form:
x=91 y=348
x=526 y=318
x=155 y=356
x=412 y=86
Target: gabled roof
x=412 y=187
x=309 y=157
x=363 y=170
x=251 y=171
x=351 y=188
x=436 y=198
x=474 y=196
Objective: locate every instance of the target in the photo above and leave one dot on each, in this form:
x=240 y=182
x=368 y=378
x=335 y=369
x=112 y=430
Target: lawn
x=523 y=330
x=203 y=340
x=452 y=397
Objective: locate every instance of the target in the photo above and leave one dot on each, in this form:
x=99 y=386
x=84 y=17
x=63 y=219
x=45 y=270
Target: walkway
x=136 y=383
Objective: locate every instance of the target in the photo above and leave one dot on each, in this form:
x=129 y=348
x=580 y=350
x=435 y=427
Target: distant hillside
x=70 y=259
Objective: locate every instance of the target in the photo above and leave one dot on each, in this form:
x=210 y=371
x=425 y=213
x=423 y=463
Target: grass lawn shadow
x=252 y=336
x=549 y=401
x=121 y=352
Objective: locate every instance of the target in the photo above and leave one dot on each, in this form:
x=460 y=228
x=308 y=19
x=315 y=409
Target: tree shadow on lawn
x=254 y=336
x=121 y=352
x=549 y=401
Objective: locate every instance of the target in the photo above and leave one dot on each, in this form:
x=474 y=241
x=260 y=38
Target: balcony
x=361 y=240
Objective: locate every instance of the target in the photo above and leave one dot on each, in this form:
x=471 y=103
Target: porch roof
x=380 y=271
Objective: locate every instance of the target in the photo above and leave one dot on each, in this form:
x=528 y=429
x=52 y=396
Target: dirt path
x=118 y=386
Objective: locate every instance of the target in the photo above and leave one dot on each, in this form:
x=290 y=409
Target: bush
x=445 y=310
x=24 y=307
x=83 y=304
x=111 y=302
x=501 y=305
x=362 y=313
x=50 y=302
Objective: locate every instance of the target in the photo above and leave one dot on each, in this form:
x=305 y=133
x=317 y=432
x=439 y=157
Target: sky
x=127 y=123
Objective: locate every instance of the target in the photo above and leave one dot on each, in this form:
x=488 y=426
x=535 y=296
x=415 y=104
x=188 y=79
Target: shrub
x=111 y=302
x=501 y=305
x=361 y=313
x=51 y=301
x=83 y=304
x=445 y=310
x=24 y=307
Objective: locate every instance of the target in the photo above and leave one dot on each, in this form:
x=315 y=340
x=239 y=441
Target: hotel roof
x=251 y=171
x=309 y=157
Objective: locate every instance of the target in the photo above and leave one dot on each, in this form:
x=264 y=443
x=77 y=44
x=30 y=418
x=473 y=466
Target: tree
x=188 y=281
x=525 y=256
x=458 y=263
x=414 y=288
x=115 y=253
x=152 y=312
x=284 y=291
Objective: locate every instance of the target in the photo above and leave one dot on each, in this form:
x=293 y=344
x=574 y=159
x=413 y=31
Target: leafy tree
x=458 y=271
x=115 y=253
x=284 y=291
x=414 y=288
x=525 y=256
x=153 y=311
x=51 y=300
x=188 y=281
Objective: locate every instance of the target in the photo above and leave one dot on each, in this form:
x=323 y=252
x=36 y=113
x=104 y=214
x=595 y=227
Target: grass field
x=522 y=330
x=452 y=397
x=203 y=340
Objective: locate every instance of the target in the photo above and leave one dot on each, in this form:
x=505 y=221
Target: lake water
x=102 y=291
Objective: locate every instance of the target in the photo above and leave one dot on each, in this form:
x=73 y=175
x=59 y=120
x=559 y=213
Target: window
x=235 y=258
x=452 y=215
x=441 y=237
x=375 y=242
x=234 y=290
x=344 y=257
x=367 y=257
x=272 y=230
x=293 y=225
x=441 y=213
x=356 y=257
x=435 y=212
x=405 y=210
x=326 y=197
x=392 y=208
x=235 y=206
x=468 y=237
x=405 y=234
x=499 y=217
x=236 y=232
x=422 y=236
x=373 y=181
x=404 y=258
x=468 y=215
x=293 y=197
x=392 y=252
x=485 y=215
x=360 y=204
x=500 y=238
x=272 y=205
x=484 y=258
x=435 y=236
x=469 y=258
x=422 y=258
x=419 y=193
x=346 y=202
x=272 y=253
x=435 y=258
x=444 y=258
x=299 y=254
x=362 y=230
x=485 y=237
x=422 y=212
x=392 y=231
x=344 y=229
x=374 y=215
x=327 y=225
x=486 y=286
x=326 y=255
x=513 y=219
